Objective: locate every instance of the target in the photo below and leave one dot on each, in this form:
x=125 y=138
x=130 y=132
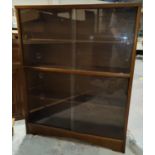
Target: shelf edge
x=80 y=72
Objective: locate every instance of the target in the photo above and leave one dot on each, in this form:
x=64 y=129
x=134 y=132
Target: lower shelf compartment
x=85 y=114
x=114 y=144
x=78 y=105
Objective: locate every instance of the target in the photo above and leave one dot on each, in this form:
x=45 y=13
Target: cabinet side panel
x=132 y=70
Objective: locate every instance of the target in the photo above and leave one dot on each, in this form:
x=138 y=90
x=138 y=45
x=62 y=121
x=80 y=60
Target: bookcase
x=78 y=63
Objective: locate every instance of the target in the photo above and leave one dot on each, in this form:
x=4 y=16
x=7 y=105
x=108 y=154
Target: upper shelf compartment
x=78 y=25
x=99 y=39
x=89 y=57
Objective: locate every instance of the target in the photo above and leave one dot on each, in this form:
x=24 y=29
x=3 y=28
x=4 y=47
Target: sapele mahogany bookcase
x=78 y=64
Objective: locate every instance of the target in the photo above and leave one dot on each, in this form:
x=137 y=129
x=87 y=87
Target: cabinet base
x=114 y=144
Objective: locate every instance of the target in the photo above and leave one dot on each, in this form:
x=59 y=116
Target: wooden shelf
x=54 y=41
x=79 y=72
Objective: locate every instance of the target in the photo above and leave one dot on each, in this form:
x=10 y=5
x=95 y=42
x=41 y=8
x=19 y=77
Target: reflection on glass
x=79 y=24
x=46 y=24
x=105 y=24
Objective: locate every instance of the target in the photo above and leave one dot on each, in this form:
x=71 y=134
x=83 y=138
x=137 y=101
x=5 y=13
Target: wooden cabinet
x=17 y=89
x=78 y=62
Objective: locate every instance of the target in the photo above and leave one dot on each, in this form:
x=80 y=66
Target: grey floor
x=37 y=145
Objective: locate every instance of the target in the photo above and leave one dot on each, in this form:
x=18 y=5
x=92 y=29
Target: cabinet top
x=85 y=4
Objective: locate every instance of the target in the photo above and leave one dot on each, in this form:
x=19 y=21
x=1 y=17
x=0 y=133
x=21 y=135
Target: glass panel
x=84 y=104
x=112 y=24
x=100 y=108
x=48 y=98
x=45 y=24
x=86 y=39
x=104 y=39
x=55 y=55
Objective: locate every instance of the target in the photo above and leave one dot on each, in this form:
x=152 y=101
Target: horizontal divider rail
x=79 y=72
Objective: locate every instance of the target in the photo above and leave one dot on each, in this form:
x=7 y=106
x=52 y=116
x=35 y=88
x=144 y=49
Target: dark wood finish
x=25 y=105
x=81 y=72
x=50 y=131
x=132 y=69
x=79 y=6
x=17 y=90
x=69 y=73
